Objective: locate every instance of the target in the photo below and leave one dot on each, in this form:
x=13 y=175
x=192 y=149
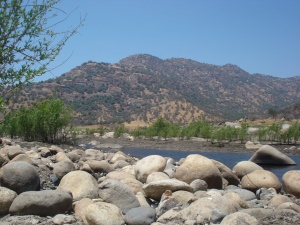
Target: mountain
x=143 y=87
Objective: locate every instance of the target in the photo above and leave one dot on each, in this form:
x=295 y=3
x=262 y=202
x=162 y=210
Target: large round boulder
x=148 y=165
x=81 y=184
x=270 y=155
x=19 y=176
x=103 y=213
x=260 y=179
x=119 y=194
x=245 y=167
x=291 y=182
x=199 y=167
x=42 y=203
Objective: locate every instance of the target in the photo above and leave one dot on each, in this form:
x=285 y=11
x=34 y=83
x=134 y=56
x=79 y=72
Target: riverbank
x=199 y=145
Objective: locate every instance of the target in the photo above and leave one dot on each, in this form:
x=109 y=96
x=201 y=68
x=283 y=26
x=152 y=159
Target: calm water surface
x=229 y=159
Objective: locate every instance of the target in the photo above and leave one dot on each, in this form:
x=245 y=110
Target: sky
x=260 y=36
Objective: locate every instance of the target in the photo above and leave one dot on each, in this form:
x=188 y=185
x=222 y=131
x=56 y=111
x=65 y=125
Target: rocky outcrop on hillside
x=110 y=187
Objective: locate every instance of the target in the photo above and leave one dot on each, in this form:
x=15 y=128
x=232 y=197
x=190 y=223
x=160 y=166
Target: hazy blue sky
x=260 y=36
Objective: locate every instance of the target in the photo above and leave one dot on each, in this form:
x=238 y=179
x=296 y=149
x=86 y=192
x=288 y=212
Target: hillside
x=143 y=87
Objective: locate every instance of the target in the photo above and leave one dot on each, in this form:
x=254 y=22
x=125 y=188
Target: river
x=229 y=159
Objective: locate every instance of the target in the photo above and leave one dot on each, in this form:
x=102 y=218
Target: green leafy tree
x=29 y=41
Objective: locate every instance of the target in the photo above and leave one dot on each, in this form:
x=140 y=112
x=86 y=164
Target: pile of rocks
x=51 y=185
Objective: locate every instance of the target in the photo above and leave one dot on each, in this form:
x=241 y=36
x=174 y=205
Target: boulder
x=92 y=154
x=42 y=203
x=100 y=166
x=260 y=179
x=140 y=216
x=259 y=213
x=7 y=196
x=19 y=176
x=291 y=181
x=73 y=156
x=119 y=175
x=13 y=151
x=62 y=219
x=226 y=173
x=157 y=176
x=155 y=189
x=278 y=200
x=199 y=167
x=135 y=185
x=237 y=198
x=199 y=185
x=55 y=149
x=239 y=218
x=120 y=164
x=148 y=165
x=166 y=203
x=199 y=211
x=61 y=156
x=118 y=156
x=243 y=193
x=184 y=197
x=81 y=184
x=80 y=206
x=61 y=168
x=108 y=135
x=290 y=205
x=270 y=155
x=251 y=145
x=117 y=193
x=245 y=167
x=23 y=158
x=103 y=213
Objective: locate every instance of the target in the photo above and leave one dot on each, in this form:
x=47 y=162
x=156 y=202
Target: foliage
x=119 y=130
x=203 y=129
x=29 y=41
x=45 y=121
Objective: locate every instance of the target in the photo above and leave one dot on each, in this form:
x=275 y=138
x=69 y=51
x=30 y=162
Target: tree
x=29 y=41
x=273 y=112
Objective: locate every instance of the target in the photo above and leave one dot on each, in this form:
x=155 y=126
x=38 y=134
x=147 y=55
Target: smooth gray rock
x=270 y=155
x=61 y=168
x=140 y=216
x=119 y=194
x=19 y=176
x=243 y=193
x=42 y=203
x=217 y=216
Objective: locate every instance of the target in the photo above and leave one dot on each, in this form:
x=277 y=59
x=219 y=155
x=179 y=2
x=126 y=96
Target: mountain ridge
x=143 y=87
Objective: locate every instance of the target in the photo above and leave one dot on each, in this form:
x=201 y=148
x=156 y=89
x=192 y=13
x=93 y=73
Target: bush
x=45 y=121
x=119 y=130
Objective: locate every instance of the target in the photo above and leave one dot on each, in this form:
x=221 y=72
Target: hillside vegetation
x=144 y=87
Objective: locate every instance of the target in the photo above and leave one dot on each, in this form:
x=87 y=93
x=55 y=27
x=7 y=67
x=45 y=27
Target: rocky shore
x=48 y=184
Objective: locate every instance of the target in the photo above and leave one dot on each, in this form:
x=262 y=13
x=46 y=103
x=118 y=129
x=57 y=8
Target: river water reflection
x=229 y=159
